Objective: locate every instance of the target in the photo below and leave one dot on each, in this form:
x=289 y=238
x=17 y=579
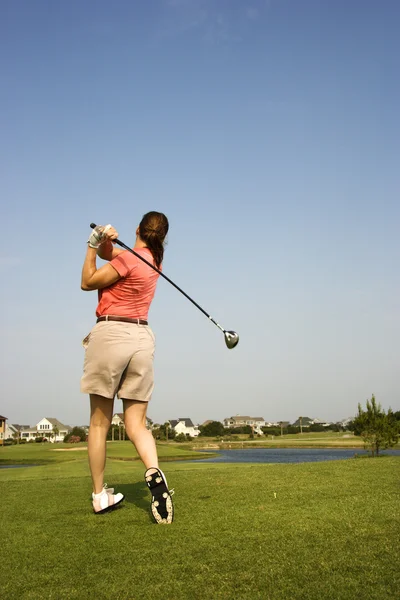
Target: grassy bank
x=58 y=453
x=272 y=532
x=306 y=440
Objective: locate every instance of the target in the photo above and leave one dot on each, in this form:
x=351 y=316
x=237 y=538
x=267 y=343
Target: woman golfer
x=119 y=354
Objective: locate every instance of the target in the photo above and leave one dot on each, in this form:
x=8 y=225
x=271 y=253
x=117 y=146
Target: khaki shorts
x=119 y=361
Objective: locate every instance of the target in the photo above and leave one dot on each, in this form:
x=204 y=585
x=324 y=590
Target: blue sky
x=268 y=132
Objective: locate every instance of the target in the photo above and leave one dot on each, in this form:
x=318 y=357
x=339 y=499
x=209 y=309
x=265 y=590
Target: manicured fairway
x=280 y=532
x=327 y=439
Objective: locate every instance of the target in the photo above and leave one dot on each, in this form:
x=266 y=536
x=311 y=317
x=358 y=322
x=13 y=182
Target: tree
x=271 y=430
x=163 y=432
x=237 y=430
x=379 y=430
x=212 y=429
x=301 y=424
x=76 y=432
x=56 y=431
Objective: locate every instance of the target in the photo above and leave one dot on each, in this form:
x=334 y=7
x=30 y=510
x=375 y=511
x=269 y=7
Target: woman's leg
x=140 y=436
x=135 y=424
x=100 y=420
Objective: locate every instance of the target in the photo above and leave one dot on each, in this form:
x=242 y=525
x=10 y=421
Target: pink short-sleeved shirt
x=131 y=295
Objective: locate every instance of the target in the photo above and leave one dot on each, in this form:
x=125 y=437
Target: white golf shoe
x=106 y=501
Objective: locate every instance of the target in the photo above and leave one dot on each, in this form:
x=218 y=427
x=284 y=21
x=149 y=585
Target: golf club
x=231 y=337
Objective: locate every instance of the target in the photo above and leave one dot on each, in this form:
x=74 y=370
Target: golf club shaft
x=93 y=225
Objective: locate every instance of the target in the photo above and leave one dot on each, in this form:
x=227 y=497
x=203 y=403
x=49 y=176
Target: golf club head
x=231 y=339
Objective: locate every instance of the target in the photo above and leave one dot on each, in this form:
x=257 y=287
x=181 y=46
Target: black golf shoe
x=162 y=507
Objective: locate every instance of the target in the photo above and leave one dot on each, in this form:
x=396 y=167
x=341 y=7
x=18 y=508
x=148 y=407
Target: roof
x=245 y=418
x=56 y=422
x=3 y=418
x=188 y=422
x=120 y=416
x=304 y=421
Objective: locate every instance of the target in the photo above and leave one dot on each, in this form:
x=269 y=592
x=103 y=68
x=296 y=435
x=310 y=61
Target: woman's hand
x=102 y=234
x=109 y=233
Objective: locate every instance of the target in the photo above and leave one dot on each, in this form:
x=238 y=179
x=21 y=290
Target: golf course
x=327 y=530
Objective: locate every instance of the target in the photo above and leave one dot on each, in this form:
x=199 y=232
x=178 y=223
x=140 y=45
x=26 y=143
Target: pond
x=287 y=455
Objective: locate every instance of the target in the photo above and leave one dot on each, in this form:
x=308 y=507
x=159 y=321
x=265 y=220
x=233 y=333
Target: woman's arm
x=107 y=250
x=96 y=279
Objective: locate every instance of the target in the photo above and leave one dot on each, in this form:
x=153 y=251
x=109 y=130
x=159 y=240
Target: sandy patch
x=69 y=449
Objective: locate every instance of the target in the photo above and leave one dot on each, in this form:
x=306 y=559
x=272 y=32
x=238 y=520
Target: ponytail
x=153 y=229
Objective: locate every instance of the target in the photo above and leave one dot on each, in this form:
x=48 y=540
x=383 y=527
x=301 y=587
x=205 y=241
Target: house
x=241 y=421
x=2 y=429
x=184 y=426
x=118 y=419
x=50 y=428
x=12 y=431
x=323 y=423
x=28 y=433
x=345 y=422
x=307 y=421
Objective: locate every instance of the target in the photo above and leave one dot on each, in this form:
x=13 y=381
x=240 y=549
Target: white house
x=45 y=428
x=11 y=431
x=319 y=422
x=345 y=422
x=307 y=421
x=184 y=426
x=118 y=419
x=28 y=433
x=241 y=421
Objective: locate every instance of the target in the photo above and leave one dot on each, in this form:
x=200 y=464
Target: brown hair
x=153 y=229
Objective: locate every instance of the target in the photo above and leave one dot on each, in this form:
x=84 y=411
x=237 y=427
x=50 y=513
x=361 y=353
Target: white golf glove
x=97 y=236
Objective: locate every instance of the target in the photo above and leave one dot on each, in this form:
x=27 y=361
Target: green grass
x=310 y=531
x=322 y=439
x=50 y=453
